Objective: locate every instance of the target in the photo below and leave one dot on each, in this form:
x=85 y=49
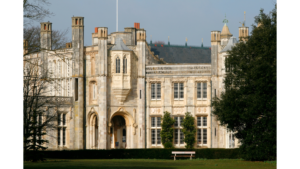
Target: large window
x=202 y=130
x=202 y=90
x=155 y=91
x=178 y=133
x=178 y=91
x=61 y=129
x=155 y=130
x=117 y=65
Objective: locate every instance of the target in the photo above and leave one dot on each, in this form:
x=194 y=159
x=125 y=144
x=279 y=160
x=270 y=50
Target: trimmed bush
x=140 y=154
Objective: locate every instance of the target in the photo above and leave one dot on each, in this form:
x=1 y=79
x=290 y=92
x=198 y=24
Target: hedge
x=139 y=154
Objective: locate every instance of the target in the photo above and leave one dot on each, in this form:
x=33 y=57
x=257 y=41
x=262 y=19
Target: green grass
x=151 y=163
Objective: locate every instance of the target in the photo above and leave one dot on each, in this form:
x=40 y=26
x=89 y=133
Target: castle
x=120 y=86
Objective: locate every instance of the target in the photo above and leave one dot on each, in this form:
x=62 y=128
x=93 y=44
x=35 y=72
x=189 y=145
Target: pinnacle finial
x=168 y=38
x=186 y=39
x=225 y=20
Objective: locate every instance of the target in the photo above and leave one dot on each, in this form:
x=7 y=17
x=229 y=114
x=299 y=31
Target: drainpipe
x=211 y=128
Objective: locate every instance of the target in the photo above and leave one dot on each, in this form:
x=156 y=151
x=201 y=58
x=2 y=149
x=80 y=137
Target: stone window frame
x=196 y=88
x=92 y=87
x=179 y=129
x=155 y=128
x=184 y=81
x=62 y=129
x=155 y=90
x=201 y=128
x=155 y=80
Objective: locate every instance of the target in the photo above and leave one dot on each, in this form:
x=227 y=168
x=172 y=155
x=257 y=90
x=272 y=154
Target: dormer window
x=117 y=65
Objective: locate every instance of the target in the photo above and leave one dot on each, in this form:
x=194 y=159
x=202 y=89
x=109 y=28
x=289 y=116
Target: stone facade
x=120 y=89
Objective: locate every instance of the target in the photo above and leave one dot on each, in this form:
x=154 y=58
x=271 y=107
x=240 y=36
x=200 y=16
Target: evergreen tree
x=189 y=130
x=248 y=107
x=167 y=130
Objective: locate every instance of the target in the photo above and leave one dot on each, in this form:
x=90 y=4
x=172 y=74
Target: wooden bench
x=183 y=154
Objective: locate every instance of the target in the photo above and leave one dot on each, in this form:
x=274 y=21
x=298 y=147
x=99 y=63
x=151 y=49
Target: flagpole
x=117 y=18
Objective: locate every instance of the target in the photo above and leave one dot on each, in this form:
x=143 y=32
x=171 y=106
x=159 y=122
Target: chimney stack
x=137 y=25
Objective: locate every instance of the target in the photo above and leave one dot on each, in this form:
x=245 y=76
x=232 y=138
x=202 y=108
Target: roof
x=119 y=45
x=182 y=54
x=231 y=42
x=225 y=30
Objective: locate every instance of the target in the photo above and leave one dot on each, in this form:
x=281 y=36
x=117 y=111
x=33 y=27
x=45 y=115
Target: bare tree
x=32 y=36
x=40 y=108
x=34 y=10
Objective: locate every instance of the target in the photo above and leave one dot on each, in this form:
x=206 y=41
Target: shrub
x=140 y=154
x=167 y=130
x=189 y=130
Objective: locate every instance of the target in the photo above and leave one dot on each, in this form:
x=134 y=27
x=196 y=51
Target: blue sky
x=194 y=19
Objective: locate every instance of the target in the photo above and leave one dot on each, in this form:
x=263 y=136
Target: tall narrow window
x=181 y=90
x=58 y=119
x=179 y=137
x=201 y=130
x=117 y=65
x=64 y=119
x=153 y=91
x=158 y=91
x=76 y=21
x=198 y=90
x=204 y=136
x=155 y=131
x=93 y=66
x=140 y=94
x=176 y=91
x=64 y=136
x=76 y=89
x=94 y=91
x=124 y=65
x=205 y=90
x=58 y=136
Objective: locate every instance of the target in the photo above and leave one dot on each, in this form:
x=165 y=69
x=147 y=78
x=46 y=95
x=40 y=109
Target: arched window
x=215 y=36
x=125 y=65
x=94 y=131
x=117 y=65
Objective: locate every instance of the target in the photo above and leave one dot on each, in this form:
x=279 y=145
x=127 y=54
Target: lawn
x=150 y=163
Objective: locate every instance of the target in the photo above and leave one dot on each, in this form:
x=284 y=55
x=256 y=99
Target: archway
x=125 y=132
x=93 y=133
x=118 y=132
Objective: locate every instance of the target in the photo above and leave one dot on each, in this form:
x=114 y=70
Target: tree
x=36 y=117
x=248 y=107
x=189 y=130
x=34 y=10
x=167 y=130
x=32 y=36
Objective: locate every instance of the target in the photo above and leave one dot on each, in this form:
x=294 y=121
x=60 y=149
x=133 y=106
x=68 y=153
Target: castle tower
x=141 y=53
x=225 y=34
x=243 y=33
x=215 y=48
x=215 y=45
x=101 y=73
x=78 y=78
x=46 y=44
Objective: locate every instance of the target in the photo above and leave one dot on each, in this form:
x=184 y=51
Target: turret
x=46 y=44
x=243 y=33
x=78 y=81
x=215 y=43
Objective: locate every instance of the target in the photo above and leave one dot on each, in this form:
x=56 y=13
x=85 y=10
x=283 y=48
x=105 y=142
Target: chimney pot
x=96 y=29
